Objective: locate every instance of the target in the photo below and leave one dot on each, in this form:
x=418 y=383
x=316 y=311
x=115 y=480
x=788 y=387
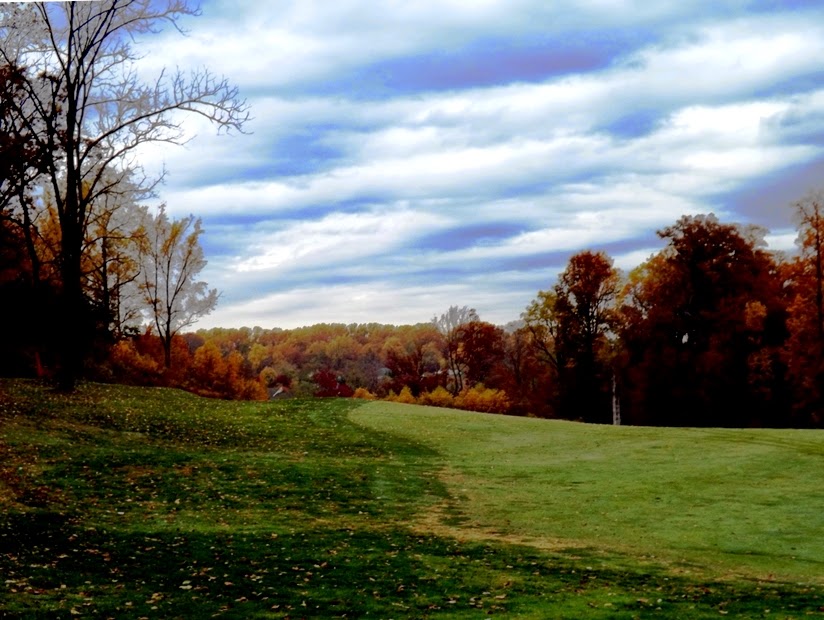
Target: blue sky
x=409 y=156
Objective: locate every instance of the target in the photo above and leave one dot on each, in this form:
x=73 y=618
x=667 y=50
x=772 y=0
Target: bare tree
x=111 y=265
x=448 y=324
x=83 y=102
x=171 y=259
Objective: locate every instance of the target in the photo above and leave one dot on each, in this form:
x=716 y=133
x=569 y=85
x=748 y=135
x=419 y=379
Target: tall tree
x=448 y=325
x=22 y=161
x=697 y=316
x=110 y=265
x=803 y=288
x=412 y=356
x=171 y=259
x=586 y=292
x=481 y=351
x=90 y=112
x=542 y=320
x=809 y=215
x=569 y=325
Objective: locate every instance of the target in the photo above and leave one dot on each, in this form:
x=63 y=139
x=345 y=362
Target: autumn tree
x=697 y=319
x=586 y=292
x=803 y=288
x=480 y=352
x=21 y=162
x=570 y=325
x=170 y=261
x=413 y=358
x=88 y=112
x=110 y=264
x=448 y=324
x=22 y=155
x=21 y=276
x=809 y=215
x=527 y=382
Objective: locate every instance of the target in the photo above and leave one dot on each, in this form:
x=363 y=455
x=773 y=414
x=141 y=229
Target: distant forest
x=712 y=330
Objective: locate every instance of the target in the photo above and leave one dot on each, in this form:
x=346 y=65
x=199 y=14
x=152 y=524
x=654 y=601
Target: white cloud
x=558 y=158
x=628 y=261
x=782 y=241
x=338 y=238
x=340 y=304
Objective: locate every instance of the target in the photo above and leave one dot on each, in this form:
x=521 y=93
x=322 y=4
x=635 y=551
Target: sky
x=405 y=157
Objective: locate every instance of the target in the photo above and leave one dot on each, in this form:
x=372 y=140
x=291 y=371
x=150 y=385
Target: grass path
x=128 y=503
x=714 y=502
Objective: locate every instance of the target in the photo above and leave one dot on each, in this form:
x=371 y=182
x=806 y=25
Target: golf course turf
x=122 y=502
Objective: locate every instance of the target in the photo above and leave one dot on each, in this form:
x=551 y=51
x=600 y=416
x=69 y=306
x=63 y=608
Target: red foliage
x=331 y=385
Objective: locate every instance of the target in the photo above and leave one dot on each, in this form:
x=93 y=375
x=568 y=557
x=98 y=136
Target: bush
x=480 y=398
x=405 y=396
x=132 y=366
x=364 y=394
x=328 y=384
x=439 y=397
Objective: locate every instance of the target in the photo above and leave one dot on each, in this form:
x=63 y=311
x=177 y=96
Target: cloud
x=317 y=244
x=421 y=152
x=364 y=303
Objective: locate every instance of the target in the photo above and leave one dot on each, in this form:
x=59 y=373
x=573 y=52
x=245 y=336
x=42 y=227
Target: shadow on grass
x=56 y=568
x=165 y=505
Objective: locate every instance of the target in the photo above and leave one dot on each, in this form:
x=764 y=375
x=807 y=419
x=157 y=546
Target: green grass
x=716 y=502
x=135 y=503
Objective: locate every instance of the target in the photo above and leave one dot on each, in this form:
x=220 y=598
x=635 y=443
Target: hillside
x=725 y=502
x=127 y=502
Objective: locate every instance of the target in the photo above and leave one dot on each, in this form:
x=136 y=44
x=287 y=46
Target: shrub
x=480 y=398
x=439 y=397
x=405 y=396
x=132 y=366
x=329 y=385
x=364 y=394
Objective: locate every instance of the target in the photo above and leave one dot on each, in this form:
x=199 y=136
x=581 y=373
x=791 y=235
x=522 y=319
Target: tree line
x=712 y=330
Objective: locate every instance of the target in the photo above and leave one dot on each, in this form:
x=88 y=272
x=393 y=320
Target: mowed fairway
x=123 y=502
x=716 y=503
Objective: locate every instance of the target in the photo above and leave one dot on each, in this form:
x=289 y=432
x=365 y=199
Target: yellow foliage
x=364 y=394
x=439 y=397
x=405 y=396
x=251 y=389
x=480 y=398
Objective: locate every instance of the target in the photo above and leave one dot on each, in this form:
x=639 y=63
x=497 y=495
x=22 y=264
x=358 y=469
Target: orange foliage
x=140 y=361
x=217 y=376
x=364 y=394
x=132 y=366
x=480 y=398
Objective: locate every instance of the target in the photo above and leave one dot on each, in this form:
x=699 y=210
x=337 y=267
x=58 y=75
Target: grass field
x=147 y=503
x=718 y=502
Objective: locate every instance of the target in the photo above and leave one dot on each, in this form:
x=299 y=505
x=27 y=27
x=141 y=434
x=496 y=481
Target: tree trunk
x=72 y=321
x=616 y=403
x=167 y=353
